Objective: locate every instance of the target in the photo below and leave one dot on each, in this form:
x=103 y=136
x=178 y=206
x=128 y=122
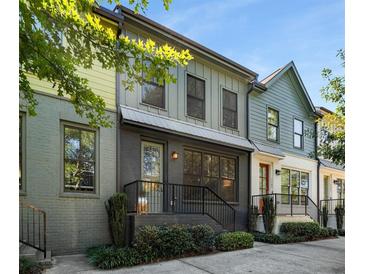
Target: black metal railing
x=331 y=205
x=287 y=204
x=145 y=197
x=33 y=227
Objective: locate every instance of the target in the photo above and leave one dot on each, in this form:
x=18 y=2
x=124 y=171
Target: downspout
x=318 y=165
x=250 y=153
x=118 y=10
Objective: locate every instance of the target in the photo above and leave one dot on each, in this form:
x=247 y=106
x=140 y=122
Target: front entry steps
x=282 y=219
x=33 y=254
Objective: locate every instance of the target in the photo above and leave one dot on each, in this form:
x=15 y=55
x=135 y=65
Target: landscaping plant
x=228 y=241
x=268 y=213
x=340 y=213
x=254 y=214
x=310 y=230
x=203 y=237
x=116 y=207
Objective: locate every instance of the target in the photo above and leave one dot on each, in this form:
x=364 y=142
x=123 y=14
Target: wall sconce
x=174 y=155
x=277 y=171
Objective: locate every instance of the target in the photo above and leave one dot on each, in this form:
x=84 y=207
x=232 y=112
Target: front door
x=264 y=179
x=151 y=195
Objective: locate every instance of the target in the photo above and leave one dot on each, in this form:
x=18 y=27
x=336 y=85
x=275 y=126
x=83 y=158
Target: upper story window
x=21 y=151
x=153 y=93
x=79 y=159
x=229 y=109
x=298 y=133
x=195 y=97
x=272 y=124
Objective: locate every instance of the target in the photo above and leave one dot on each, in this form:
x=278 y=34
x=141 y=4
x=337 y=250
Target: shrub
x=276 y=239
x=175 y=241
x=341 y=232
x=324 y=233
x=332 y=232
x=228 y=241
x=147 y=242
x=324 y=216
x=307 y=229
x=268 y=214
x=108 y=257
x=203 y=237
x=116 y=207
x=27 y=266
x=340 y=213
x=254 y=213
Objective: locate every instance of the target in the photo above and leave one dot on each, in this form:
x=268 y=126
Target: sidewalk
x=327 y=256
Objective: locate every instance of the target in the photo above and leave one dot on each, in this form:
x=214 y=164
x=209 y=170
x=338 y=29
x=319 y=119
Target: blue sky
x=263 y=35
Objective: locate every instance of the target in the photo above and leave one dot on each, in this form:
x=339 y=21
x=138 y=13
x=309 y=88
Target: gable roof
x=276 y=75
x=152 y=26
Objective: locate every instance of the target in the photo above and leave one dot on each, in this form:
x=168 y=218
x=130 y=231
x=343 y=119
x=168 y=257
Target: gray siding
x=76 y=223
x=284 y=95
x=216 y=78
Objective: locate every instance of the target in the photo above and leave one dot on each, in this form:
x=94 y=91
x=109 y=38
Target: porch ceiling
x=166 y=124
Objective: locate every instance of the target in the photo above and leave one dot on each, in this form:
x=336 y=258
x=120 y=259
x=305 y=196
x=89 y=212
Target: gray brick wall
x=77 y=223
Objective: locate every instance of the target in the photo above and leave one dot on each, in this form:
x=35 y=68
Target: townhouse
x=191 y=152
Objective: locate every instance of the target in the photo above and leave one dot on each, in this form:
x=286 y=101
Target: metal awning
x=330 y=164
x=276 y=152
x=166 y=124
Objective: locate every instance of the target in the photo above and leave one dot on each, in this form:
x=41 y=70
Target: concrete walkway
x=327 y=256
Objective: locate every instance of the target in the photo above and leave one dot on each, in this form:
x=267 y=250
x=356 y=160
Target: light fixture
x=174 y=155
x=227 y=183
x=277 y=171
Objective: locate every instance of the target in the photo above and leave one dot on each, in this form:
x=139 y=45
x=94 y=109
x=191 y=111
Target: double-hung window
x=79 y=159
x=272 y=124
x=195 y=97
x=153 y=93
x=298 y=133
x=229 y=109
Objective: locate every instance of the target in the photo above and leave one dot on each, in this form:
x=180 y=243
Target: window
x=340 y=189
x=298 y=133
x=21 y=151
x=229 y=109
x=264 y=179
x=294 y=182
x=195 y=97
x=153 y=93
x=79 y=159
x=326 y=180
x=272 y=124
x=214 y=171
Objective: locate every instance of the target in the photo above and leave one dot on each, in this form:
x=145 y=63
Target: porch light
x=277 y=171
x=174 y=155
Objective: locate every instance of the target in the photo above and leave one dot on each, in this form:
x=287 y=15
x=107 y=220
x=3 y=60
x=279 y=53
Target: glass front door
x=264 y=179
x=151 y=193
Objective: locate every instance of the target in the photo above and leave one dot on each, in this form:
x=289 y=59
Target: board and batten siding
x=101 y=81
x=285 y=96
x=215 y=78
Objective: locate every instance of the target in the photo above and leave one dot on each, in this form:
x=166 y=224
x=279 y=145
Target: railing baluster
x=27 y=225
x=39 y=229
x=33 y=227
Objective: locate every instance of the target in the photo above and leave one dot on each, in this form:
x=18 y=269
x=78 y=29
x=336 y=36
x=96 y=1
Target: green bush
x=175 y=241
x=27 y=266
x=268 y=214
x=147 y=242
x=116 y=207
x=332 y=232
x=340 y=213
x=324 y=216
x=228 y=241
x=324 y=233
x=203 y=237
x=341 y=232
x=307 y=229
x=109 y=257
x=276 y=239
x=253 y=215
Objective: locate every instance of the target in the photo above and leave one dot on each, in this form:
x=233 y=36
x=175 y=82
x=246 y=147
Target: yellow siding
x=101 y=81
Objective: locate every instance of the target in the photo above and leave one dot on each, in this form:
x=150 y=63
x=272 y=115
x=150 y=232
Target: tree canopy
x=56 y=37
x=333 y=124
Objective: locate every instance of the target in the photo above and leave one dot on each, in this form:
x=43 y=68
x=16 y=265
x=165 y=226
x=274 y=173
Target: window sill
x=272 y=141
x=230 y=128
x=154 y=107
x=195 y=118
x=79 y=195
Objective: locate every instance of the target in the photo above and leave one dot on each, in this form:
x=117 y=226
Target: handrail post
x=234 y=220
x=276 y=208
x=137 y=194
x=305 y=205
x=291 y=204
x=203 y=198
x=44 y=234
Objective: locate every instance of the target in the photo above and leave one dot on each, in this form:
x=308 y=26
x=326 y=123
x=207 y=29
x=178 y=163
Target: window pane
x=227 y=189
x=197 y=161
x=212 y=183
x=229 y=118
x=272 y=117
x=229 y=100
x=200 y=89
x=297 y=140
x=304 y=180
x=195 y=108
x=191 y=86
x=153 y=94
x=272 y=132
x=188 y=162
x=79 y=162
x=298 y=126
